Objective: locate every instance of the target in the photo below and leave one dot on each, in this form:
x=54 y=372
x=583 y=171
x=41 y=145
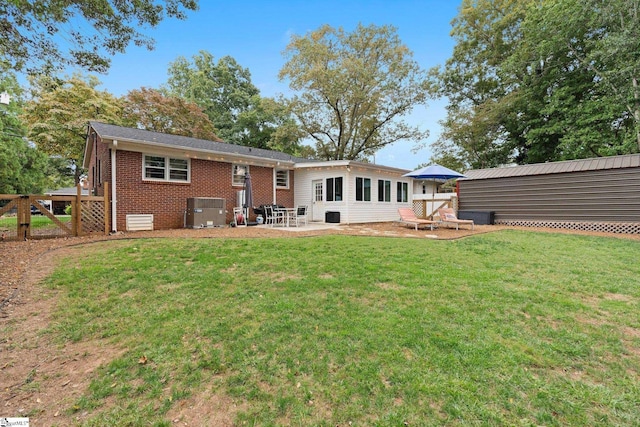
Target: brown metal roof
x=598 y=163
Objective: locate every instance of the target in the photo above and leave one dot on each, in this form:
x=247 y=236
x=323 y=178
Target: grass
x=37 y=221
x=509 y=328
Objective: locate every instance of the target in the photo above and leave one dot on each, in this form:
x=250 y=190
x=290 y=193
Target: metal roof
x=598 y=163
x=107 y=131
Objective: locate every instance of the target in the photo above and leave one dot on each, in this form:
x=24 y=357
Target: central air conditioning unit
x=206 y=212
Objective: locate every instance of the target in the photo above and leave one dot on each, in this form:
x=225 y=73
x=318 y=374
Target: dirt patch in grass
x=42 y=379
x=207 y=408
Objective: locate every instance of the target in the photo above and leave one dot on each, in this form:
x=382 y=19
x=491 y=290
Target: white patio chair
x=273 y=217
x=239 y=217
x=300 y=215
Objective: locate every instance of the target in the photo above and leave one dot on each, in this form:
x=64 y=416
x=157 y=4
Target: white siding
x=352 y=211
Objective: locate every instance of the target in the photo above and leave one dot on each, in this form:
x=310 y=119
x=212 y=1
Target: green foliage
x=22 y=166
x=227 y=96
x=509 y=328
x=353 y=89
x=59 y=111
x=93 y=30
x=533 y=81
x=149 y=109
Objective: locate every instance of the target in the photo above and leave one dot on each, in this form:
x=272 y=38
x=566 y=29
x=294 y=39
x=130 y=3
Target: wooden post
x=107 y=209
x=78 y=211
x=24 y=216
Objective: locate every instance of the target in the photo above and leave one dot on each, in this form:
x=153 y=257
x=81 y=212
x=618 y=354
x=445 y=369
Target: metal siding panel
x=597 y=195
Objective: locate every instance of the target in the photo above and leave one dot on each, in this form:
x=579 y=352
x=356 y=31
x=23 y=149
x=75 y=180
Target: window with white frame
x=384 y=190
x=403 y=192
x=282 y=178
x=239 y=173
x=363 y=189
x=164 y=168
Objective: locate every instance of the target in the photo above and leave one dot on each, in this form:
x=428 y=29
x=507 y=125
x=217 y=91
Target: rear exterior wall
x=167 y=201
x=611 y=195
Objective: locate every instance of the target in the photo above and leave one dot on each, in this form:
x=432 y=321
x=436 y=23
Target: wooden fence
x=428 y=207
x=89 y=214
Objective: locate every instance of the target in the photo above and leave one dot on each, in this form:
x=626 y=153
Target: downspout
x=114 y=202
x=273 y=183
x=346 y=198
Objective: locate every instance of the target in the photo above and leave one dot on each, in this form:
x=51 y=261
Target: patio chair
x=239 y=217
x=272 y=216
x=408 y=217
x=299 y=215
x=448 y=216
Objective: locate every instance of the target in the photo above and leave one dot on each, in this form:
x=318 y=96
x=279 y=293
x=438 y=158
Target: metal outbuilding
x=599 y=194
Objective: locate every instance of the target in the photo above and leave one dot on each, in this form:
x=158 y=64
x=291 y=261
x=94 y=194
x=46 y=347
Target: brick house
x=151 y=173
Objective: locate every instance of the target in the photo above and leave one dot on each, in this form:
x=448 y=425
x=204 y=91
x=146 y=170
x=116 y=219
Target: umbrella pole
x=433 y=199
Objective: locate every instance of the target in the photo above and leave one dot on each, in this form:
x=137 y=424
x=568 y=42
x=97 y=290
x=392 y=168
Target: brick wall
x=167 y=201
x=99 y=170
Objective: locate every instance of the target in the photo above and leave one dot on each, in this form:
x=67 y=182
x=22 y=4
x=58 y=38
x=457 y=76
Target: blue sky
x=256 y=33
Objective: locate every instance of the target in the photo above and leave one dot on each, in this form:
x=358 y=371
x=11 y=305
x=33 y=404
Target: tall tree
x=267 y=123
x=535 y=81
x=353 y=89
x=58 y=113
x=598 y=41
x=22 y=166
x=478 y=129
x=30 y=31
x=224 y=90
x=151 y=110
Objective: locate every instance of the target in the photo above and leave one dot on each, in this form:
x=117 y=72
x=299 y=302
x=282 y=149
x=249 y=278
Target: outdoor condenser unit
x=206 y=212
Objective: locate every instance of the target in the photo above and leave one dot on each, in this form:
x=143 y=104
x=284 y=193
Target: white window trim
x=282 y=187
x=234 y=166
x=167 y=169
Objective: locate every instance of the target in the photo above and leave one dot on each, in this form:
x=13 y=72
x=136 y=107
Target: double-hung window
x=384 y=190
x=164 y=168
x=239 y=173
x=334 y=189
x=403 y=192
x=363 y=189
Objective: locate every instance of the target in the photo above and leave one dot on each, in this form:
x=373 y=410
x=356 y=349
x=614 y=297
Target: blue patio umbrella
x=434 y=172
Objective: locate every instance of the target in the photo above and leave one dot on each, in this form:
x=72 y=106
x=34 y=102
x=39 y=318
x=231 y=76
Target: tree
x=225 y=92
x=151 y=110
x=537 y=81
x=58 y=113
x=479 y=128
x=599 y=41
x=268 y=124
x=223 y=89
x=21 y=165
x=91 y=30
x=353 y=89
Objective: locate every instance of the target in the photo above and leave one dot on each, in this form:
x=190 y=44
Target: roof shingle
x=107 y=131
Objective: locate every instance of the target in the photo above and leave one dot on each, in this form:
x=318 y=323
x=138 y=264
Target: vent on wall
x=140 y=222
x=205 y=212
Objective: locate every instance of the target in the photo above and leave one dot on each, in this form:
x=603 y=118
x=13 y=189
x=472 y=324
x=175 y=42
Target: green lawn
x=37 y=221
x=509 y=328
